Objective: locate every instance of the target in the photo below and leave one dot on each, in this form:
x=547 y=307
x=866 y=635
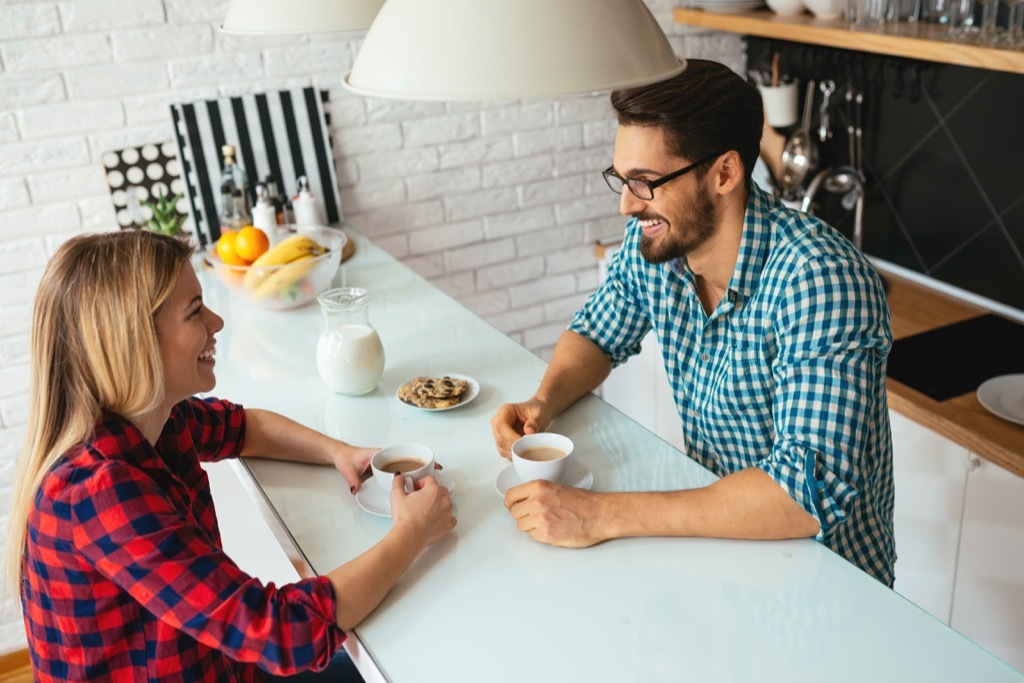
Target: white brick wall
x=497 y=202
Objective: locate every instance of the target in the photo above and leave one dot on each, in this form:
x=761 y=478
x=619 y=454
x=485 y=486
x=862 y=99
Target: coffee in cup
x=410 y=460
x=405 y=465
x=545 y=456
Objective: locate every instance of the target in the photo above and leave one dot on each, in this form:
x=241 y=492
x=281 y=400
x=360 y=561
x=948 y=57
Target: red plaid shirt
x=125 y=578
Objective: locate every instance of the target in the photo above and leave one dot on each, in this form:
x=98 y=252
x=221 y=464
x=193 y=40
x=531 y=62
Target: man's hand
x=513 y=420
x=555 y=514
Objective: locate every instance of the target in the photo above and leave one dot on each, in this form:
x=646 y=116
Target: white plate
x=579 y=476
x=377 y=502
x=474 y=389
x=1004 y=396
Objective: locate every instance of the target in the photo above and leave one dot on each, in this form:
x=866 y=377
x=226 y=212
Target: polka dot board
x=139 y=174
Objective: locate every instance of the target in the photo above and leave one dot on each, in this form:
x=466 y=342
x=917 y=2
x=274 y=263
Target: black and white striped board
x=283 y=134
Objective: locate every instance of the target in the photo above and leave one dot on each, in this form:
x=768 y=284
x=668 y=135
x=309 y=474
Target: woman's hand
x=426 y=512
x=419 y=519
x=353 y=462
x=514 y=420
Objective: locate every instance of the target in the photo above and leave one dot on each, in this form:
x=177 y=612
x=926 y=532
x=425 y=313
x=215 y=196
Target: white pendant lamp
x=509 y=49
x=257 y=17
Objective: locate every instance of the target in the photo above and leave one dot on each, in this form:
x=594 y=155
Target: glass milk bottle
x=349 y=355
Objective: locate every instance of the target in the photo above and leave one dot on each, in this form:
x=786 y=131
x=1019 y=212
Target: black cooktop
x=956 y=359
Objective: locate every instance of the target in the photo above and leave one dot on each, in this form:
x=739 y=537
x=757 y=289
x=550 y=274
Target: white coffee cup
x=414 y=461
x=542 y=456
x=780 y=104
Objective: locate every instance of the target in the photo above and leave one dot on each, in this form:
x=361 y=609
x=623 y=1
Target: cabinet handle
x=972 y=463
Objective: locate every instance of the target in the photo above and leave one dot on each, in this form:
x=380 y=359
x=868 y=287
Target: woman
x=113 y=540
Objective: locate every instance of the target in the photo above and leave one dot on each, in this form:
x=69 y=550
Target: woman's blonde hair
x=93 y=349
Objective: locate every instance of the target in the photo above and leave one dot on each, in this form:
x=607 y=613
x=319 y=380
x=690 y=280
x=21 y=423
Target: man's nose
x=629 y=203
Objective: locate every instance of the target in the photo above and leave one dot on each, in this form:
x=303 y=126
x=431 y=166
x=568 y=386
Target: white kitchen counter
x=487 y=602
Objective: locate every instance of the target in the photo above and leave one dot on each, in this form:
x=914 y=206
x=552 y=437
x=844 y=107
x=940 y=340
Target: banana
x=288 y=250
x=279 y=280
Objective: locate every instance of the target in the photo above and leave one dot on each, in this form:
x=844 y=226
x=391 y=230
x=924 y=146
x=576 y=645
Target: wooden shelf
x=910 y=40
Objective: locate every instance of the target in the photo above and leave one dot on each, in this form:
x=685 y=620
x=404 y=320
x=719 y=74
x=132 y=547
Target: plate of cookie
x=443 y=391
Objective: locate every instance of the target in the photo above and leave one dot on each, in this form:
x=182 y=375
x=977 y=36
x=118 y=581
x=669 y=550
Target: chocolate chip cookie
x=433 y=392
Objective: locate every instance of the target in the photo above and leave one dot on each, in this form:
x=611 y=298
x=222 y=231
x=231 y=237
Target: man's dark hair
x=704 y=110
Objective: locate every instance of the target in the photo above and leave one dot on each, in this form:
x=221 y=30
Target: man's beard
x=697 y=227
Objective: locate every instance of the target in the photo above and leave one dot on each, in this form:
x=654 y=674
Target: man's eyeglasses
x=644 y=189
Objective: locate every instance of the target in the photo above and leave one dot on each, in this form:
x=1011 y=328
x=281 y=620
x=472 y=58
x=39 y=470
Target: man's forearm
x=748 y=504
x=578 y=366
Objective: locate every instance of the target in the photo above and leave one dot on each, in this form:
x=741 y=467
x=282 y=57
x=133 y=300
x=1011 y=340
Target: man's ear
x=728 y=173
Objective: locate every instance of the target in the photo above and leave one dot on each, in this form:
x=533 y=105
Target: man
x=774 y=330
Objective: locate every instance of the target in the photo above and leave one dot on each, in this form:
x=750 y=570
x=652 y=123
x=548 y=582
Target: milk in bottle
x=349 y=354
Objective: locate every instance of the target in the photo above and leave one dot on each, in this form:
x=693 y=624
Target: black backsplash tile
x=944 y=159
x=937 y=200
x=996 y=158
x=1013 y=222
x=973 y=268
x=951 y=87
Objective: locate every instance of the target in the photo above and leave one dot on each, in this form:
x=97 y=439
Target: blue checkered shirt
x=787 y=374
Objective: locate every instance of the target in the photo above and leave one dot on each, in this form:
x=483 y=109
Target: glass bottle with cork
x=236 y=210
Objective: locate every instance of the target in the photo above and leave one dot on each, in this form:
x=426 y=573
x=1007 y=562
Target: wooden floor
x=15 y=668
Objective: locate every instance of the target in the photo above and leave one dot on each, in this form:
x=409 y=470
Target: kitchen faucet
x=850 y=181
x=845 y=179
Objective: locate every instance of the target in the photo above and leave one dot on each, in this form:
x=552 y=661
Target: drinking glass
x=988 y=32
x=904 y=10
x=934 y=11
x=1015 y=23
x=1009 y=37
x=866 y=12
x=958 y=16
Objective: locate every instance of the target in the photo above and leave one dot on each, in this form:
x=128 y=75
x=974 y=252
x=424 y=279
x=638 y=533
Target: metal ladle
x=847 y=183
x=842 y=182
x=800 y=154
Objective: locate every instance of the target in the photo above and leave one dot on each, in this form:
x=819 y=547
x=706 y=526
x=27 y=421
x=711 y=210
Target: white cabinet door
x=988 y=605
x=247 y=538
x=930 y=479
x=639 y=388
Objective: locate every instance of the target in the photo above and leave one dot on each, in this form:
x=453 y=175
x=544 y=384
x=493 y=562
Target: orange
x=226 y=249
x=251 y=243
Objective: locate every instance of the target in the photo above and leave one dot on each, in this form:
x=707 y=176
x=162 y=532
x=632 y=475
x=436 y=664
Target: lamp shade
x=299 y=16
x=509 y=49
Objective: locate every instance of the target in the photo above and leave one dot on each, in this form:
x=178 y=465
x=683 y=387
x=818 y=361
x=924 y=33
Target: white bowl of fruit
x=278 y=271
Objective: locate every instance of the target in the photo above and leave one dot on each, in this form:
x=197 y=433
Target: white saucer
x=579 y=476
x=1004 y=396
x=377 y=502
x=471 y=393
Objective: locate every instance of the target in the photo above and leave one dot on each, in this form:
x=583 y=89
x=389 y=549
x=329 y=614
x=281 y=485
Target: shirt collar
x=119 y=438
x=753 y=251
x=754 y=242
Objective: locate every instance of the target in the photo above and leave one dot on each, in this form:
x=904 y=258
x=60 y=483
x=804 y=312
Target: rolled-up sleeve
x=615 y=316
x=214 y=427
x=834 y=335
